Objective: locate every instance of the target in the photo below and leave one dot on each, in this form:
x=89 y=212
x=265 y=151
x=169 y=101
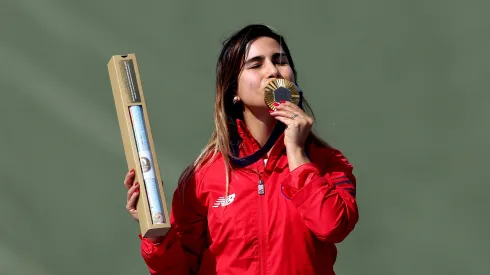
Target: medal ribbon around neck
x=277 y=90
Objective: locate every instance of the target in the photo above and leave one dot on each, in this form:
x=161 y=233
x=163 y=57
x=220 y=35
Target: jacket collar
x=249 y=145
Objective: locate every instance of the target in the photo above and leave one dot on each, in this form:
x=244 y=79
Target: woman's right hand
x=132 y=194
x=132 y=200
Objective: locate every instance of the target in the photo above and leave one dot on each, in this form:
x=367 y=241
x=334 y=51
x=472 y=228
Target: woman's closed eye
x=283 y=60
x=280 y=62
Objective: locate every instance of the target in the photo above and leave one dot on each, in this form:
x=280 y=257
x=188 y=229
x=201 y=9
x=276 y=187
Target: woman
x=280 y=215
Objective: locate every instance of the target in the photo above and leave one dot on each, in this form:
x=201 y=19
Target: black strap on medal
x=279 y=94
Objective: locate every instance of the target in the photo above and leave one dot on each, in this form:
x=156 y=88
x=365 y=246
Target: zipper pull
x=261 y=188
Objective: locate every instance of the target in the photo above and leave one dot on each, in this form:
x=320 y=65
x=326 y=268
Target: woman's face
x=265 y=60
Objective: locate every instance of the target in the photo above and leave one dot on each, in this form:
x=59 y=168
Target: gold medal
x=278 y=90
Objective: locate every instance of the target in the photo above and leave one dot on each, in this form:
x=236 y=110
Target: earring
x=236 y=99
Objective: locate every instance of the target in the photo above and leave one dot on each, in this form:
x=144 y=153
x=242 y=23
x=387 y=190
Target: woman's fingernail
x=137 y=190
x=282 y=101
x=276 y=104
x=131 y=171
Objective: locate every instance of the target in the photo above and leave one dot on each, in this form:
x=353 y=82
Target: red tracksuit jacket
x=291 y=228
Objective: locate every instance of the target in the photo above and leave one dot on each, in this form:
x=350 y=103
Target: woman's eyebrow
x=255 y=59
x=281 y=54
x=261 y=57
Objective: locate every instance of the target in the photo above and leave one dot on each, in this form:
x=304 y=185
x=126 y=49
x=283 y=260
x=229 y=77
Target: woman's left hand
x=298 y=125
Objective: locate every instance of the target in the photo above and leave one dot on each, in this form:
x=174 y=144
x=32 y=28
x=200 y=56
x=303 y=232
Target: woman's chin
x=259 y=110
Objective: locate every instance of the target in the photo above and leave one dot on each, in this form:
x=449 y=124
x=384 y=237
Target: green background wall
x=400 y=86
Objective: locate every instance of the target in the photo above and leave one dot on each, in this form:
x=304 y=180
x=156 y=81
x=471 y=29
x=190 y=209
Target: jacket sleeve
x=326 y=200
x=181 y=249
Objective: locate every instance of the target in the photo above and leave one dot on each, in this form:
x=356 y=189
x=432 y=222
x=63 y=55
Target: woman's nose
x=272 y=71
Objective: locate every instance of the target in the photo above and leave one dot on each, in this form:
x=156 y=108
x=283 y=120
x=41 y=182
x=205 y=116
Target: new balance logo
x=221 y=201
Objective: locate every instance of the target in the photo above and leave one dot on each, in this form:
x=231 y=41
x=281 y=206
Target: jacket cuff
x=150 y=249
